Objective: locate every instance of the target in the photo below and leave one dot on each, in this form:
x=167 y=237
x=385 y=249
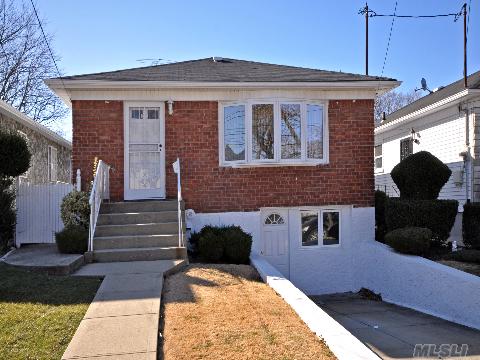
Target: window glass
x=378 y=162
x=331 y=227
x=152 y=114
x=274 y=219
x=309 y=228
x=137 y=113
x=406 y=148
x=378 y=157
x=291 y=131
x=262 y=132
x=234 y=132
x=378 y=150
x=314 y=131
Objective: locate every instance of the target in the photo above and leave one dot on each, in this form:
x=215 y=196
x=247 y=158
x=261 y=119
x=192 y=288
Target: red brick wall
x=98 y=131
x=191 y=133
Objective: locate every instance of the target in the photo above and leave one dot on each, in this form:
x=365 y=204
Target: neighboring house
x=281 y=151
x=51 y=153
x=445 y=124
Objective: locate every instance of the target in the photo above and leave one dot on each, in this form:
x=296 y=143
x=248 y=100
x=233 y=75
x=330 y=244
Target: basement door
x=144 y=151
x=275 y=244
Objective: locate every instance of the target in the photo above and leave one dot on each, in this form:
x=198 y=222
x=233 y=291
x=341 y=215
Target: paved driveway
x=392 y=331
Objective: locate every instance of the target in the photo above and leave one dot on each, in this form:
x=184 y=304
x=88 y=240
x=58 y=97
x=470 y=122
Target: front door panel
x=144 y=153
x=275 y=240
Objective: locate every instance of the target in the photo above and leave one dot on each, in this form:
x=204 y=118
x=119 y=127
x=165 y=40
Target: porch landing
x=122 y=320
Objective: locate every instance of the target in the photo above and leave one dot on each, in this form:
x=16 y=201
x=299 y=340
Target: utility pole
x=366 y=38
x=465 y=45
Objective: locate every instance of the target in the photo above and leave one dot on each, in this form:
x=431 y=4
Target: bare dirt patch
x=226 y=312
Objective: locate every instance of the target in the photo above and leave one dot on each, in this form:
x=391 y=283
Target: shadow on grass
x=21 y=286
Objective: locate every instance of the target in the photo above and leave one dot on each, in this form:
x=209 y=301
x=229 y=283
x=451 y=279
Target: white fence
x=38 y=212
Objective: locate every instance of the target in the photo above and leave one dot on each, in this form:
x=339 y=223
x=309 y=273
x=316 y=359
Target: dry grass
x=225 y=312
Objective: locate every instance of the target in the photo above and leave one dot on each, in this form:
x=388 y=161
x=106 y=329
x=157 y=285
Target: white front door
x=275 y=239
x=144 y=151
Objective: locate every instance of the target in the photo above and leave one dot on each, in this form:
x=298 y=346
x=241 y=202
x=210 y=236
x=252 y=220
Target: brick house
x=281 y=151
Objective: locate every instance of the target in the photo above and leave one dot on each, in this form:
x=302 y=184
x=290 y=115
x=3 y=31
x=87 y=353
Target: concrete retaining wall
x=419 y=284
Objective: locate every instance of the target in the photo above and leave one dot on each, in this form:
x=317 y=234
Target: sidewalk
x=122 y=321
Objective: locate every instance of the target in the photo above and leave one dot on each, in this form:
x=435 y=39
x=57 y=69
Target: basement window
x=328 y=220
x=263 y=133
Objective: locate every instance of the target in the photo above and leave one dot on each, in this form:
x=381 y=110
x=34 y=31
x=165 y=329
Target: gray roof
x=225 y=70
x=473 y=82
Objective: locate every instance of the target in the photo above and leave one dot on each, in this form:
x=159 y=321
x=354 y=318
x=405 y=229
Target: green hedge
x=73 y=239
x=410 y=240
x=75 y=209
x=420 y=176
x=7 y=216
x=471 y=225
x=229 y=244
x=436 y=215
x=380 y=226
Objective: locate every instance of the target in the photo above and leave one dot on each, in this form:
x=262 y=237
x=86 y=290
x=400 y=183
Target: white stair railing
x=100 y=191
x=176 y=170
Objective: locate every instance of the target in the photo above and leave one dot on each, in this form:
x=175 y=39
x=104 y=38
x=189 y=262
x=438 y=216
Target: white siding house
x=445 y=123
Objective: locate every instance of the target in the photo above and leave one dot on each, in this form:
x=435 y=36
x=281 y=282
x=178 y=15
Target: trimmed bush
x=228 y=244
x=73 y=239
x=471 y=225
x=238 y=245
x=420 y=176
x=75 y=209
x=211 y=245
x=7 y=217
x=436 y=215
x=380 y=226
x=410 y=240
x=14 y=154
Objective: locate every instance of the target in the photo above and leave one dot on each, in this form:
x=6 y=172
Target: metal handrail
x=100 y=191
x=176 y=170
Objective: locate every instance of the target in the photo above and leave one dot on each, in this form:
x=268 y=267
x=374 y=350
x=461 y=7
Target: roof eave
x=439 y=105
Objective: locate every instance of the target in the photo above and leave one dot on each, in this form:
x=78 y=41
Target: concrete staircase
x=138 y=231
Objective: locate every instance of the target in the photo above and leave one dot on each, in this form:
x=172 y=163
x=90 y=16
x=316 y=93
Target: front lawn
x=225 y=312
x=39 y=314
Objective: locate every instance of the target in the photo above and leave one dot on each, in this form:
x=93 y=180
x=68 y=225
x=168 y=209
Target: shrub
x=467 y=255
x=471 y=225
x=211 y=246
x=410 y=240
x=73 y=239
x=238 y=245
x=228 y=244
x=420 y=176
x=7 y=217
x=14 y=154
x=75 y=209
x=436 y=215
x=380 y=226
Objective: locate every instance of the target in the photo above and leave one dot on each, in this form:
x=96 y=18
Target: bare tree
x=25 y=61
x=392 y=101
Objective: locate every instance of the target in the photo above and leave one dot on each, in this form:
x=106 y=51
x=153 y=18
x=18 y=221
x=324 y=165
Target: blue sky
x=103 y=35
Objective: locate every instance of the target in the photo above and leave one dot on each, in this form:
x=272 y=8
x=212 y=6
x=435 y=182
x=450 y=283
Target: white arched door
x=275 y=239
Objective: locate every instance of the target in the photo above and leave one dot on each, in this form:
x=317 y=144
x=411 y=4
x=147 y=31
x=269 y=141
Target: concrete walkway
x=392 y=331
x=122 y=321
x=46 y=258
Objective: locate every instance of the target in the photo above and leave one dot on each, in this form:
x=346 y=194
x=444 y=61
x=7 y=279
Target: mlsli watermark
x=440 y=351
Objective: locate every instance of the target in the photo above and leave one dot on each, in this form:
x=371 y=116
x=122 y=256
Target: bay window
x=273 y=132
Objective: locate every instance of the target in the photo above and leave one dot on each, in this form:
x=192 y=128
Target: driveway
x=392 y=331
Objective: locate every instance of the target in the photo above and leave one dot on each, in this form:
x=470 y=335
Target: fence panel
x=38 y=212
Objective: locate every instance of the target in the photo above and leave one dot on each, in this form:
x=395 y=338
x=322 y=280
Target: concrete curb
x=342 y=343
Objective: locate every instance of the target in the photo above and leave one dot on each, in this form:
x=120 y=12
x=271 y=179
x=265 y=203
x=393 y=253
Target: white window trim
x=50 y=163
x=320 y=226
x=377 y=170
x=277 y=161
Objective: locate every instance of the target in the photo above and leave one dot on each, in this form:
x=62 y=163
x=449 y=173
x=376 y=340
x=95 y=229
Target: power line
x=49 y=49
x=372 y=13
x=389 y=37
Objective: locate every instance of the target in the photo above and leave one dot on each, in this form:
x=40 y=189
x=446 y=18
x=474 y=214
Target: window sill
x=379 y=171
x=274 y=164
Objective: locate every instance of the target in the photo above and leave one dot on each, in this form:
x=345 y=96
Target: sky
x=104 y=35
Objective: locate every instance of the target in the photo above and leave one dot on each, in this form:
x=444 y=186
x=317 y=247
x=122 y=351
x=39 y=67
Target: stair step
x=138 y=206
x=132 y=241
x=140 y=254
x=137 y=229
x=137 y=217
